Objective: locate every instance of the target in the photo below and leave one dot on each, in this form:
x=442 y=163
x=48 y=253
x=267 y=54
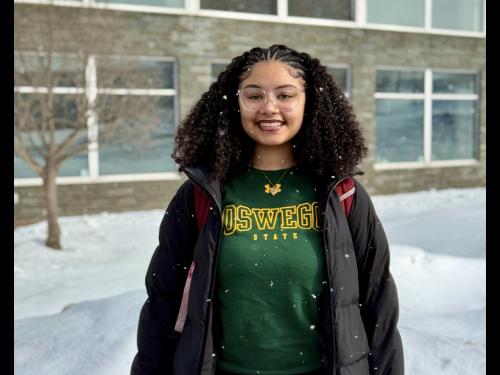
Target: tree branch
x=21 y=151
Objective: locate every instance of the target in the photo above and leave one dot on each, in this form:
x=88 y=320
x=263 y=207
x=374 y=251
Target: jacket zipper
x=214 y=269
x=330 y=288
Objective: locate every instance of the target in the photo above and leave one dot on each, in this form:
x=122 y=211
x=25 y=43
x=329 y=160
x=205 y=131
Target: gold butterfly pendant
x=273 y=190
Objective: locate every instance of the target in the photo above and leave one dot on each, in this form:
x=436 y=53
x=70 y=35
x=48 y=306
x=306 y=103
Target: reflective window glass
x=67 y=113
x=396 y=12
x=22 y=170
x=454 y=129
x=331 y=9
x=217 y=68
x=144 y=144
x=32 y=69
x=400 y=81
x=129 y=73
x=399 y=130
x=341 y=76
x=458 y=14
x=166 y=3
x=454 y=83
x=247 y=6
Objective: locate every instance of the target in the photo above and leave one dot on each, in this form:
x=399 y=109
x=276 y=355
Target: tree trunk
x=50 y=188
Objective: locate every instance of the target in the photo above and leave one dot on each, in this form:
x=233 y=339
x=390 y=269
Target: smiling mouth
x=270 y=125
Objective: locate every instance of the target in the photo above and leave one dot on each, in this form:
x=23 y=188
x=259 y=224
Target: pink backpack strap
x=201 y=208
x=181 y=317
x=345 y=190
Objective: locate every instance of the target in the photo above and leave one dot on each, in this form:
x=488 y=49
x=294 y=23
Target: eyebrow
x=277 y=88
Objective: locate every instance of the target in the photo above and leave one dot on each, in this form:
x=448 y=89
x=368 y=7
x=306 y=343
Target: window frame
x=91 y=91
x=428 y=97
x=192 y=8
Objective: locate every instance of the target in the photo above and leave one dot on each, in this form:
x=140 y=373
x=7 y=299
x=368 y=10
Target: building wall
x=196 y=41
x=78 y=199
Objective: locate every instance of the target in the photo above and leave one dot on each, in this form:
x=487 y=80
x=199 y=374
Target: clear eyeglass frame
x=284 y=106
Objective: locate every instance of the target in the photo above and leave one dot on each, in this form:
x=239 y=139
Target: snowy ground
x=76 y=311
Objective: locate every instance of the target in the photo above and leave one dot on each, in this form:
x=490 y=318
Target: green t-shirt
x=269 y=275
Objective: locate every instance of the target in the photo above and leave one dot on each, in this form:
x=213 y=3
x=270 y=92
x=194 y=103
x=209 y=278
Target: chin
x=272 y=142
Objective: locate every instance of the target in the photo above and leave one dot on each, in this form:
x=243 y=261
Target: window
x=127 y=92
x=164 y=3
x=217 y=68
x=130 y=153
x=404 y=133
x=454 y=116
x=32 y=83
x=465 y=15
x=246 y=6
x=399 y=130
x=342 y=77
x=332 y=9
x=457 y=14
x=129 y=85
x=396 y=12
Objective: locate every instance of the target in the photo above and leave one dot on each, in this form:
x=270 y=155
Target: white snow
x=76 y=310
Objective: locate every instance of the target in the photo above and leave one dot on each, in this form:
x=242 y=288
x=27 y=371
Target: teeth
x=270 y=124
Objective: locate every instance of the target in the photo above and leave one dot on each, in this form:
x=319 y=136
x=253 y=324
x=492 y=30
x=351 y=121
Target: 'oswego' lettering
x=242 y=218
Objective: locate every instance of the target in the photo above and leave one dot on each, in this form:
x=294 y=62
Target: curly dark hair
x=329 y=143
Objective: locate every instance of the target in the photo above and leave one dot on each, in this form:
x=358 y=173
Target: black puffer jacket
x=358 y=310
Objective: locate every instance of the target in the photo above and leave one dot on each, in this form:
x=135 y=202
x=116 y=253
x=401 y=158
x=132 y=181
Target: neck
x=270 y=158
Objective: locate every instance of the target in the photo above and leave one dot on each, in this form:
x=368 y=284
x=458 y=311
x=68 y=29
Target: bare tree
x=59 y=109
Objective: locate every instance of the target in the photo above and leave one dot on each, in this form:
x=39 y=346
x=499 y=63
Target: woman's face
x=272 y=101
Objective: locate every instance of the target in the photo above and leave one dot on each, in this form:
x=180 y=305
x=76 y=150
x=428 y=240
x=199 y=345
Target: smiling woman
x=261 y=268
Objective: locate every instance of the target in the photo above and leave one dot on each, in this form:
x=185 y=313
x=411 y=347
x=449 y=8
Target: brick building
x=416 y=77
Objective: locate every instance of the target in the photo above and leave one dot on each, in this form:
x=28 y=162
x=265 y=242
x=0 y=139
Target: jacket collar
x=200 y=175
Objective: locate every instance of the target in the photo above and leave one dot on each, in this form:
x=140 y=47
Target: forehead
x=271 y=73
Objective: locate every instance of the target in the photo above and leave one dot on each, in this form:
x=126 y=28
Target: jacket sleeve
x=378 y=295
x=165 y=280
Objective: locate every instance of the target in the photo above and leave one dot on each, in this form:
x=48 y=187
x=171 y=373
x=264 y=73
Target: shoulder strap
x=201 y=208
x=345 y=190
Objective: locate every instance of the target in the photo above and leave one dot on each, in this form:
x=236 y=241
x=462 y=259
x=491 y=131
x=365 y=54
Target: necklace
x=275 y=188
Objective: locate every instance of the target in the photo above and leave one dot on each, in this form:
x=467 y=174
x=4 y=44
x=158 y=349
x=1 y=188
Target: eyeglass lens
x=254 y=99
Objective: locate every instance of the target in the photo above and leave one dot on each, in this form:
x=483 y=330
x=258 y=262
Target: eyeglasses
x=254 y=99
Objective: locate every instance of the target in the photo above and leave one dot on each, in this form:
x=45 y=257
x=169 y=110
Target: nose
x=270 y=104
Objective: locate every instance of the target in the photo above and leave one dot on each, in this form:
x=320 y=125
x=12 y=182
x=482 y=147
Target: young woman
x=284 y=282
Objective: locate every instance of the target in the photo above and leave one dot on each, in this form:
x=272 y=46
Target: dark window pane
x=140 y=143
x=399 y=130
x=246 y=6
x=67 y=112
x=134 y=74
x=332 y=9
x=36 y=70
x=22 y=170
x=454 y=125
x=454 y=83
x=217 y=68
x=400 y=81
x=167 y=3
x=340 y=75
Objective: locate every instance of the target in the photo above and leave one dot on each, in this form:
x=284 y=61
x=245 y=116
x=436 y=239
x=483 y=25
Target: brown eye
x=255 y=97
x=284 y=96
